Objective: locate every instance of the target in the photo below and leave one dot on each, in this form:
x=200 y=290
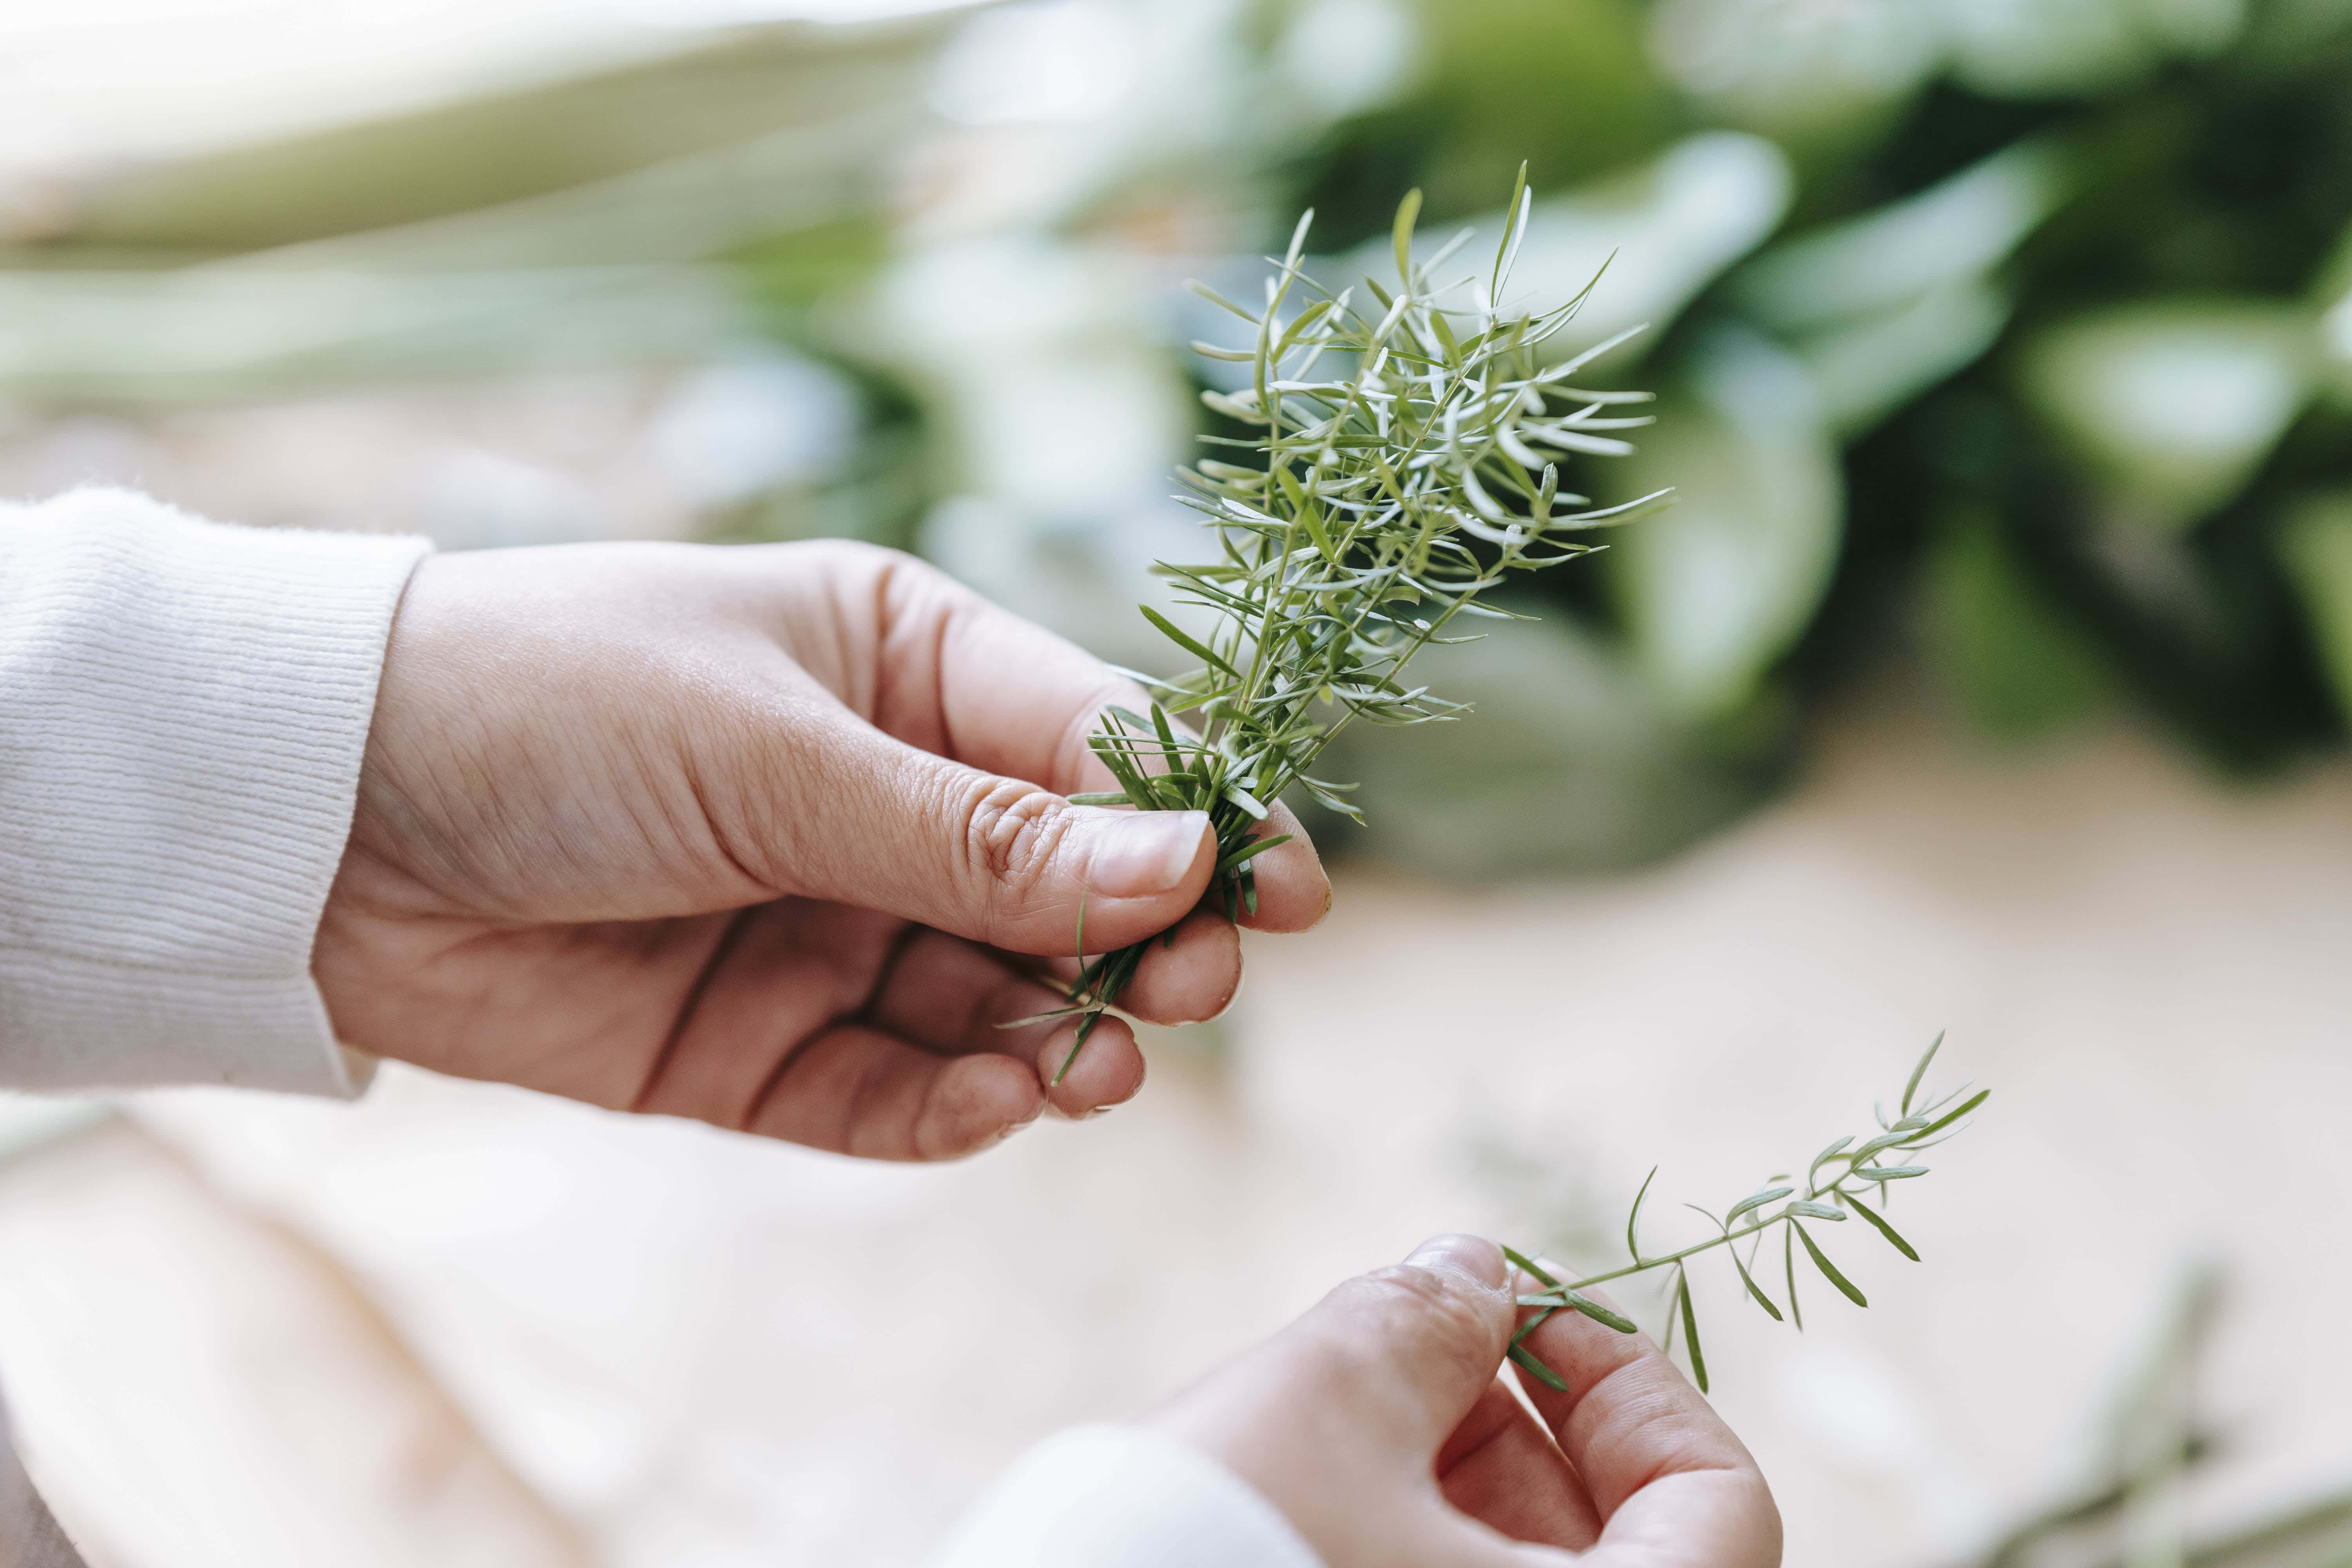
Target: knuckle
x=1012 y=831
x=1442 y=1313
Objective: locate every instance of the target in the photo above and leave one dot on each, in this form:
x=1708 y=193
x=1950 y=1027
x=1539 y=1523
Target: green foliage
x=2318 y=545
x=2080 y=274
x=1833 y=1187
x=1405 y=461
x=2002 y=648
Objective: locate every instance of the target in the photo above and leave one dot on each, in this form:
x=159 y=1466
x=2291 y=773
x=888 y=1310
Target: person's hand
x=771 y=837
x=1378 y=1425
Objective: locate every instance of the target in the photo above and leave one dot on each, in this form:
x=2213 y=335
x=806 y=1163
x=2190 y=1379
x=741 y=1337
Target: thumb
x=1412 y=1346
x=996 y=860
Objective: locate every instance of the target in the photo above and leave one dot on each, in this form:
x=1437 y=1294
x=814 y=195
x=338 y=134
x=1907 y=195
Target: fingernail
x=1137 y=854
x=1473 y=1256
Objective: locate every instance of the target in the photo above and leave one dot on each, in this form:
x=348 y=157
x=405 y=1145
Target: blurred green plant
x=2045 y=382
x=2152 y=1444
x=2012 y=339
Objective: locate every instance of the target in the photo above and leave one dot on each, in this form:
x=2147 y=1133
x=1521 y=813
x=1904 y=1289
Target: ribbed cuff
x=183 y=708
x=1123 y=1497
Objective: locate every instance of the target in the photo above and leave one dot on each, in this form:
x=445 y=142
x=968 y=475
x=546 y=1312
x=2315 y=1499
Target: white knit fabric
x=1123 y=1497
x=183 y=711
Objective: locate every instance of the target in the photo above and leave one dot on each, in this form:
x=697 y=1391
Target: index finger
x=1674 y=1488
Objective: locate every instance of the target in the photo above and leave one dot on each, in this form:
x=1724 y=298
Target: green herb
x=1832 y=1187
x=1405 y=461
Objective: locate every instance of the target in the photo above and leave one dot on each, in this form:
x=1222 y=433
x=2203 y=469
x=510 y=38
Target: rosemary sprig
x=1406 y=460
x=1850 y=1168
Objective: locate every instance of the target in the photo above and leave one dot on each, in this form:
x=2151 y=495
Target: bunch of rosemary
x=1405 y=461
x=1831 y=1189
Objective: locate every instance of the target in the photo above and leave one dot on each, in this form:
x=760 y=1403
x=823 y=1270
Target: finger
x=948 y=997
x=966 y=679
x=1187 y=974
x=759 y=1045
x=1673 y=1487
x=1405 y=1352
x=1293 y=893
x=1191 y=979
x=1336 y=1418
x=774 y=978
x=854 y=1090
x=1502 y=1469
x=852 y=815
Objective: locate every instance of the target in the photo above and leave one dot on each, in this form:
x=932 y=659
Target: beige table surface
x=457 y=1324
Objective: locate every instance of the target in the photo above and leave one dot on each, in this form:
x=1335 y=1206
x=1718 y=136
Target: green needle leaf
x=1829 y=1268
x=1186 y=641
x=1943 y=1122
x=1528 y=1266
x=1753 y=1289
x=1597 y=1313
x=1912 y=1088
x=1408 y=212
x=1632 y=1244
x=1755 y=1201
x=1252 y=849
x=1883 y=1228
x=1789 y=1262
x=1690 y=1329
x=1526 y=1359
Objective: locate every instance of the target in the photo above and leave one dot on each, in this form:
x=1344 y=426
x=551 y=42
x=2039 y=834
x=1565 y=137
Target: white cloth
x=183 y=708
x=1123 y=1497
x=183 y=711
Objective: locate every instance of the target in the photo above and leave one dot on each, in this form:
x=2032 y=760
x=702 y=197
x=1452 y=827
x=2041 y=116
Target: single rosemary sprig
x=1851 y=1169
x=1406 y=461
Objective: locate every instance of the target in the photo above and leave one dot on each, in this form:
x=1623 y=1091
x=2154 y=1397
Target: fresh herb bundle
x=1851 y=1169
x=1406 y=461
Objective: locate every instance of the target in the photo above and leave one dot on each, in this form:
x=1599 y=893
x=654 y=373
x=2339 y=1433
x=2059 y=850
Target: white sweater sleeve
x=1123 y=1497
x=183 y=711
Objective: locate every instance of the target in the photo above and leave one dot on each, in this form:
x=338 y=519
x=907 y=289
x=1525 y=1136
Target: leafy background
x=2005 y=363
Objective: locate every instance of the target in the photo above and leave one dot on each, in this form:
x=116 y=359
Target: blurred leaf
x=2004 y=652
x=207 y=332
x=1567 y=762
x=2174 y=403
x=2315 y=544
x=1713 y=590
x=2333 y=295
x=2318 y=1535
x=1804 y=73
x=1662 y=232
x=1564 y=84
x=1951 y=233
x=2037 y=48
x=1865 y=370
x=853 y=87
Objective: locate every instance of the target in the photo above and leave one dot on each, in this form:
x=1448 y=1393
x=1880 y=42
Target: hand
x=771 y=837
x=1378 y=1425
